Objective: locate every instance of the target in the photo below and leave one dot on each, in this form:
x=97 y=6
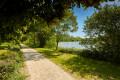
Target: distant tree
x=69 y=25
x=66 y=37
x=44 y=35
x=39 y=32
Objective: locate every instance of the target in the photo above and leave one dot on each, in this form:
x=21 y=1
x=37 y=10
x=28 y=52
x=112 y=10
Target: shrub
x=14 y=47
x=11 y=62
x=101 y=55
x=93 y=54
x=50 y=44
x=70 y=50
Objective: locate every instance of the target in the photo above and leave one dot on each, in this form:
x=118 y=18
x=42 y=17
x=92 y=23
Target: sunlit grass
x=3 y=48
x=82 y=68
x=2 y=51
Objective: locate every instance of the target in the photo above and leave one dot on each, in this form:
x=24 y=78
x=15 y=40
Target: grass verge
x=11 y=61
x=3 y=48
x=82 y=68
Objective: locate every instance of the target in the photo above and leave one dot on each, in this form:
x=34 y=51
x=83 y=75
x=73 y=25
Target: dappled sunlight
x=2 y=51
x=48 y=52
x=91 y=69
x=80 y=67
x=3 y=47
x=33 y=56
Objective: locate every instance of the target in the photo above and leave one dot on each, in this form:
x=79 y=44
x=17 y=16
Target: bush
x=11 y=62
x=50 y=44
x=70 y=50
x=14 y=47
x=101 y=55
x=93 y=54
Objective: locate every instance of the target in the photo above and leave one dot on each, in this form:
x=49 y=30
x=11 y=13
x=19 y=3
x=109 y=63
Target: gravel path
x=40 y=68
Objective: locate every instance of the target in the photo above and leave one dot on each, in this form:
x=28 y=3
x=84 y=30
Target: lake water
x=70 y=45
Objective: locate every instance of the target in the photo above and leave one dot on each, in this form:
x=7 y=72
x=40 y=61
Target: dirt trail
x=40 y=68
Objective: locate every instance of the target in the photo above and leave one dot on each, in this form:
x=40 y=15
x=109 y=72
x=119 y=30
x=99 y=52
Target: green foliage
x=28 y=38
x=68 y=38
x=75 y=38
x=4 y=46
x=44 y=35
x=15 y=17
x=14 y=47
x=50 y=44
x=104 y=33
x=94 y=54
x=38 y=33
x=51 y=9
x=69 y=25
x=70 y=50
x=11 y=61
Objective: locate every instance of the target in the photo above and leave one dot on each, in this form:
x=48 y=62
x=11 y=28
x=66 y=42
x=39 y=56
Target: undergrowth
x=11 y=62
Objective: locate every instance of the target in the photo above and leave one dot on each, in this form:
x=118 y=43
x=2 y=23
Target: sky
x=82 y=15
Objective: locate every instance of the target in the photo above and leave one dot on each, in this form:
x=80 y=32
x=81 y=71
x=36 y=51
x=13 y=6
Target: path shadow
x=33 y=56
x=49 y=54
x=91 y=67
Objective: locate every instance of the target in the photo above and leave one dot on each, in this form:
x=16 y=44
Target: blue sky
x=82 y=15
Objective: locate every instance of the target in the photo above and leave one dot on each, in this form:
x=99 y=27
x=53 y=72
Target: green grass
x=2 y=51
x=3 y=48
x=82 y=68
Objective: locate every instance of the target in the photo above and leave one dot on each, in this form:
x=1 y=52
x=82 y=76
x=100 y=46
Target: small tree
x=69 y=25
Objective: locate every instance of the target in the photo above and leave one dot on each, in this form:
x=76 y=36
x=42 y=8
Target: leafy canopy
x=14 y=14
x=103 y=29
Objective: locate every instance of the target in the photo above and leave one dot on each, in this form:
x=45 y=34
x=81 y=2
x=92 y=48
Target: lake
x=70 y=45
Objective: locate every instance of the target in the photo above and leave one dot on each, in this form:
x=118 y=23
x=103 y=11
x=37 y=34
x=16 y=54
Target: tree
x=44 y=35
x=104 y=30
x=69 y=25
x=39 y=32
x=65 y=37
x=47 y=9
x=15 y=14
